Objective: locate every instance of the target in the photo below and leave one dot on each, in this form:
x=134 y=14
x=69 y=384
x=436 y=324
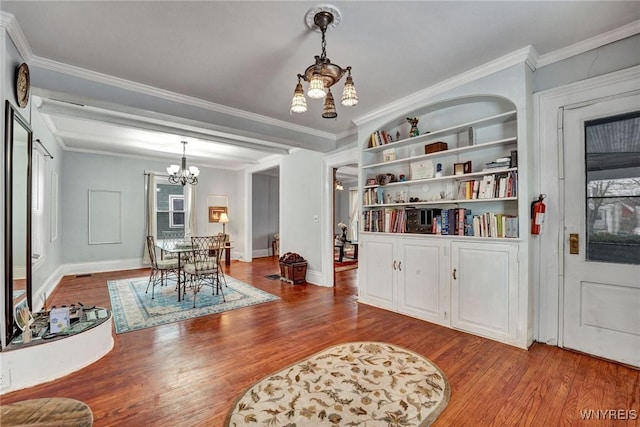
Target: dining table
x=179 y=248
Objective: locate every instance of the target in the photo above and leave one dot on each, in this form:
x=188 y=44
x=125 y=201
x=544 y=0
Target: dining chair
x=223 y=240
x=171 y=239
x=160 y=268
x=204 y=266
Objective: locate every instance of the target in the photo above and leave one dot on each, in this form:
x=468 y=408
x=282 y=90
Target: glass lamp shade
x=173 y=169
x=316 y=87
x=299 y=103
x=329 y=110
x=194 y=170
x=349 y=94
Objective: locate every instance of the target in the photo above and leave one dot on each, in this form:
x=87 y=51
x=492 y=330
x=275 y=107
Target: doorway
x=601 y=251
x=346 y=214
x=265 y=212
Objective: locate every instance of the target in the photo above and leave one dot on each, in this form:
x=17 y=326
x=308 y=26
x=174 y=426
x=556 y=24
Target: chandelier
x=182 y=175
x=323 y=74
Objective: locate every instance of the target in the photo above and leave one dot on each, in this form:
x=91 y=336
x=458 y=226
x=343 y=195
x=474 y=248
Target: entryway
x=601 y=241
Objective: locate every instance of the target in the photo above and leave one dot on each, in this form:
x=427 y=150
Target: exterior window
x=176 y=211
x=170 y=208
x=613 y=189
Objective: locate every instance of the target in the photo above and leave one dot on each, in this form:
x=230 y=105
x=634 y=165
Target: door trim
x=547 y=249
x=330 y=161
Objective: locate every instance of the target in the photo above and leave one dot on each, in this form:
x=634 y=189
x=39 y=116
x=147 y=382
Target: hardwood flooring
x=190 y=373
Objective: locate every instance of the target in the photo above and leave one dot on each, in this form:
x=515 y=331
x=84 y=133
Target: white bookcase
x=471 y=278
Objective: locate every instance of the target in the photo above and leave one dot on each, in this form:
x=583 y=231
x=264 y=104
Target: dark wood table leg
x=227 y=254
x=355 y=250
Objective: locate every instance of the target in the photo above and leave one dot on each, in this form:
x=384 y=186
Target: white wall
x=265 y=213
x=84 y=172
x=301 y=184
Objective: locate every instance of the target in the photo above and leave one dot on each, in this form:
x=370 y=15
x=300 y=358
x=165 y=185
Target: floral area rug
x=134 y=309
x=366 y=384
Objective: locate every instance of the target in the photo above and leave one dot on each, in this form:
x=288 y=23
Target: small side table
x=54 y=411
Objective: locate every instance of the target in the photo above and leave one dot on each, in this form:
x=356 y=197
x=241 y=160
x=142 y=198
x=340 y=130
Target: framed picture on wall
x=215 y=211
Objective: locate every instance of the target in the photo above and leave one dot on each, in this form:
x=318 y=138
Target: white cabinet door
x=422 y=279
x=377 y=284
x=484 y=289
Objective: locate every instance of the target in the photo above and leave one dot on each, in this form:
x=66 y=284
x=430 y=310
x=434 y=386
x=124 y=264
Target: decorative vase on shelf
x=414 y=126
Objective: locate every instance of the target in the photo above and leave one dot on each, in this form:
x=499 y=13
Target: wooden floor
x=190 y=373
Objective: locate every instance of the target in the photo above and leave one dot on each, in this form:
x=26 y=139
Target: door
x=484 y=289
x=377 y=286
x=601 y=252
x=422 y=280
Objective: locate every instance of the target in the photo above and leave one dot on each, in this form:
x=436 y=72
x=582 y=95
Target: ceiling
x=238 y=61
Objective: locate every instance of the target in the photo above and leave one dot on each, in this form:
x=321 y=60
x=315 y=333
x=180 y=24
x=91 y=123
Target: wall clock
x=22 y=85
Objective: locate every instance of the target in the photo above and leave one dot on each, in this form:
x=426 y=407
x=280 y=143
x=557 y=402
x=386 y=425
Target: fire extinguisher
x=537 y=214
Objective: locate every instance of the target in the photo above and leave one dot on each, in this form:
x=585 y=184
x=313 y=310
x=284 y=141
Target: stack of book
x=379 y=137
x=500 y=163
x=497 y=185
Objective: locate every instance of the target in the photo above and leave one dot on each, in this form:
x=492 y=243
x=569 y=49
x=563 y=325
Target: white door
x=377 y=286
x=484 y=289
x=602 y=229
x=422 y=279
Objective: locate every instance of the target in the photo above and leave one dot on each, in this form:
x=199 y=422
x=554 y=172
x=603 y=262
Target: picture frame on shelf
x=462 y=168
x=467 y=167
x=388 y=155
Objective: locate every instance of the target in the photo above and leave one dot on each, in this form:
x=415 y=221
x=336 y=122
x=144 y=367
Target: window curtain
x=150 y=221
x=190 y=229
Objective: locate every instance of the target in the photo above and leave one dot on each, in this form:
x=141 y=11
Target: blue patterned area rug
x=133 y=309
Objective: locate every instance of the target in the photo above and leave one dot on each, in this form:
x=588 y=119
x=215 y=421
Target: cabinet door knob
x=454 y=274
x=400 y=265
x=394 y=264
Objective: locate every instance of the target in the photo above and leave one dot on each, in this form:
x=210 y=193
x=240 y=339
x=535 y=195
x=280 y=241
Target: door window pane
x=613 y=189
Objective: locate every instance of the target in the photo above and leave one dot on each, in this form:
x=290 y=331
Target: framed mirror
x=17 y=224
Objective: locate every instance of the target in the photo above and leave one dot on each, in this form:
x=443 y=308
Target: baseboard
x=47 y=288
x=102 y=266
x=314 y=277
x=260 y=253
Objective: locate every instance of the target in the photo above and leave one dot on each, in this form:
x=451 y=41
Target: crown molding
x=526 y=55
x=9 y=22
x=612 y=36
x=108 y=80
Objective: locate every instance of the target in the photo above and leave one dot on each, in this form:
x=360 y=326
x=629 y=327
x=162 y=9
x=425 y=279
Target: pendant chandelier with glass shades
x=182 y=175
x=323 y=73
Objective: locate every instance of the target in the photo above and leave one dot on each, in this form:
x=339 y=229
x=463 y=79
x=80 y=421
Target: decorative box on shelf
x=293 y=268
x=435 y=147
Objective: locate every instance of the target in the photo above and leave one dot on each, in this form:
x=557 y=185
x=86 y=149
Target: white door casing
x=601 y=304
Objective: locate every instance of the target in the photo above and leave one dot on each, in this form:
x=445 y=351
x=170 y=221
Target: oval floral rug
x=365 y=384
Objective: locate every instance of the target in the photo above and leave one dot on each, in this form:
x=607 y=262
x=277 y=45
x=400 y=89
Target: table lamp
x=224 y=219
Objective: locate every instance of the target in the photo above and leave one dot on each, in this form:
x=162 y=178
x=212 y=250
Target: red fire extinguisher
x=537 y=214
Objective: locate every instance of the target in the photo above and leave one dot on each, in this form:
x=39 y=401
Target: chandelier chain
x=323 y=55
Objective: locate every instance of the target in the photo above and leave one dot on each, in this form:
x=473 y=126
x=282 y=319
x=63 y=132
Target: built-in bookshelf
x=473 y=174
